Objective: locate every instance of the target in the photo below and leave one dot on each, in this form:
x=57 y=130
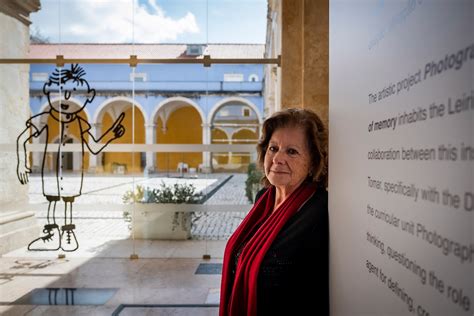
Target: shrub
x=175 y=194
x=252 y=184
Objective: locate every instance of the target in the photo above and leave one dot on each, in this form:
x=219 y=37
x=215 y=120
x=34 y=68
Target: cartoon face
x=66 y=85
x=64 y=93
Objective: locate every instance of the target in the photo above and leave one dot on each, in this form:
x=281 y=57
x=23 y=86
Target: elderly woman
x=276 y=262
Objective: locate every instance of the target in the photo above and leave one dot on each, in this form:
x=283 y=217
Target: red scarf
x=240 y=297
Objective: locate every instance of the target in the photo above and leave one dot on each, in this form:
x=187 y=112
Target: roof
x=145 y=51
x=20 y=10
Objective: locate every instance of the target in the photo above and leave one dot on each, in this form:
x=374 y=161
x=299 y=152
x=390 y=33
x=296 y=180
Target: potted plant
x=162 y=222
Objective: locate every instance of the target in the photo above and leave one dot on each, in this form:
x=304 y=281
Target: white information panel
x=401 y=154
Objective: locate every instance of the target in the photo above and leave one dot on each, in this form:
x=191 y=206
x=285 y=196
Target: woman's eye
x=292 y=151
x=272 y=149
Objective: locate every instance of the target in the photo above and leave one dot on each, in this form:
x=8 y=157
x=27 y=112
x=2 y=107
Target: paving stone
x=110 y=224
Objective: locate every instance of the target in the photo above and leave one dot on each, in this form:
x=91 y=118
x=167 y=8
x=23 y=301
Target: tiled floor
x=164 y=274
x=162 y=281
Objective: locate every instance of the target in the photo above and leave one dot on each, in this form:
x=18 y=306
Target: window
x=224 y=113
x=234 y=77
x=253 y=77
x=194 y=50
x=138 y=76
x=245 y=111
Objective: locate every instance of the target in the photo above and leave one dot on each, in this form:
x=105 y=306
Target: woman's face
x=287 y=159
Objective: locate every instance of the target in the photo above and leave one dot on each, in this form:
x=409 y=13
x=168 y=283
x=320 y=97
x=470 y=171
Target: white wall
x=376 y=45
x=14 y=98
x=17 y=226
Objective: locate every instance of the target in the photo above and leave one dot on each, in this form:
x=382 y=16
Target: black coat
x=294 y=275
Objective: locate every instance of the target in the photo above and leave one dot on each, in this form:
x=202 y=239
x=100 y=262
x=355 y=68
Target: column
x=95 y=161
x=292 y=54
x=150 y=139
x=229 y=153
x=206 y=140
x=305 y=55
x=18 y=225
x=316 y=57
x=37 y=161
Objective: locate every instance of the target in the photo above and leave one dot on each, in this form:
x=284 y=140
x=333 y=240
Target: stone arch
x=243 y=135
x=178 y=120
x=173 y=102
x=221 y=131
x=233 y=123
x=105 y=116
x=125 y=103
x=240 y=129
x=225 y=101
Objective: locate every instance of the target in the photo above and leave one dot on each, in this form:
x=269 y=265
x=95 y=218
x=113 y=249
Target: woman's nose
x=278 y=157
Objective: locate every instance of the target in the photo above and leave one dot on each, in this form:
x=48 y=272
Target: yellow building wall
x=217 y=135
x=130 y=160
x=242 y=137
x=183 y=127
x=53 y=134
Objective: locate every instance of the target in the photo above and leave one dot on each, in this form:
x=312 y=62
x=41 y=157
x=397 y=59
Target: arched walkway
x=178 y=122
x=240 y=120
x=134 y=123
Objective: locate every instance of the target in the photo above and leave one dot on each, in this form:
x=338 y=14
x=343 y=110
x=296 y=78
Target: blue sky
x=151 y=21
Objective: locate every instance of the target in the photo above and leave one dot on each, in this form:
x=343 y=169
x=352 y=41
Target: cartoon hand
x=22 y=173
x=118 y=129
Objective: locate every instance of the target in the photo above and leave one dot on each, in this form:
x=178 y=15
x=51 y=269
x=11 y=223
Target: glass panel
x=83 y=21
x=246 y=23
x=122 y=21
x=69 y=107
x=185 y=127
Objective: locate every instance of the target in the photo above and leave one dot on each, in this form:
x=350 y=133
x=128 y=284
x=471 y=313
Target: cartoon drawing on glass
x=63 y=117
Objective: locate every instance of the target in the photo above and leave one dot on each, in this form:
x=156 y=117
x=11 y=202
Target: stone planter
x=162 y=222
x=161 y=213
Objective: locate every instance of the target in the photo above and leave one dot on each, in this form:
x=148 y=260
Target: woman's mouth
x=279 y=171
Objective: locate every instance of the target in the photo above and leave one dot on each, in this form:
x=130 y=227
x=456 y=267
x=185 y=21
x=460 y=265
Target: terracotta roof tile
x=43 y=51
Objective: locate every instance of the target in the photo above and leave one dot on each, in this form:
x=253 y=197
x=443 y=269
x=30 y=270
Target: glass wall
x=139 y=126
x=128 y=132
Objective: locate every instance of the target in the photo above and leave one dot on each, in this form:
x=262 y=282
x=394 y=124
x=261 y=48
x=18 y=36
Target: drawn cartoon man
x=62 y=84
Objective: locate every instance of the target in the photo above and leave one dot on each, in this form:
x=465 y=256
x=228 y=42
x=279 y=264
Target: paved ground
x=109 y=224
x=164 y=281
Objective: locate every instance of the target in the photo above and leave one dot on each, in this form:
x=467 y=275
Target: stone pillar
x=95 y=161
x=292 y=54
x=150 y=139
x=316 y=57
x=18 y=226
x=37 y=160
x=305 y=55
x=229 y=153
x=206 y=140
